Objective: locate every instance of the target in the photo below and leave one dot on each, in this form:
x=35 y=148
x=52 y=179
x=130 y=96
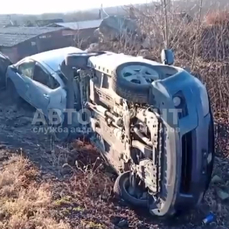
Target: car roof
x=54 y=58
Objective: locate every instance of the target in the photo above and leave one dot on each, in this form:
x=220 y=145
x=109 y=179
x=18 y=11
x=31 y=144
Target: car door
x=23 y=78
x=39 y=89
x=48 y=95
x=58 y=97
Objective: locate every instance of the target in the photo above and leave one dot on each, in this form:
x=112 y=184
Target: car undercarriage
x=151 y=122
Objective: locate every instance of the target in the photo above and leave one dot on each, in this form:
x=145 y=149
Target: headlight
x=180 y=104
x=177 y=101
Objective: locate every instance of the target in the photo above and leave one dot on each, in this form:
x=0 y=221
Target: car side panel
x=21 y=83
x=39 y=95
x=58 y=101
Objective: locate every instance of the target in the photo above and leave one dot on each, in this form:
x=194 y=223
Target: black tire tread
x=129 y=95
x=120 y=191
x=130 y=92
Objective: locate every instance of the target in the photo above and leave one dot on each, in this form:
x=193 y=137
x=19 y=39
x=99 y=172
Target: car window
x=55 y=83
x=41 y=76
x=62 y=77
x=27 y=68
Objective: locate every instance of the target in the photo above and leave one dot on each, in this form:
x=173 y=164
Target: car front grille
x=186 y=172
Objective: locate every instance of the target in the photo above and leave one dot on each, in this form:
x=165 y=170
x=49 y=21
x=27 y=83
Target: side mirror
x=77 y=60
x=167 y=57
x=14 y=69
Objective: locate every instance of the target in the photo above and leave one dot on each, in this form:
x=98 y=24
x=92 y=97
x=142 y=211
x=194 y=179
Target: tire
x=130 y=91
x=120 y=191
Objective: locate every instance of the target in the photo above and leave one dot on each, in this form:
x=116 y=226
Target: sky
x=54 y=6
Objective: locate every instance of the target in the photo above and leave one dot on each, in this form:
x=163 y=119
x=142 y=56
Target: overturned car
x=153 y=124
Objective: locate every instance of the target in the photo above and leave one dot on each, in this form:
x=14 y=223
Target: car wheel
x=122 y=188
x=133 y=80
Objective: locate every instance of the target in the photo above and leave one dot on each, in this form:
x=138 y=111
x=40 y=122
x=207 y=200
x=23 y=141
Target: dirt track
x=16 y=132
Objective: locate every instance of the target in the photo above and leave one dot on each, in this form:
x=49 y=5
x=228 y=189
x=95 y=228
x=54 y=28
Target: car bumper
x=196 y=164
x=189 y=144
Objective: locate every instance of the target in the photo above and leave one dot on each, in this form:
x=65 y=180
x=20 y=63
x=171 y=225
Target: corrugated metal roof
x=81 y=24
x=14 y=35
x=48 y=21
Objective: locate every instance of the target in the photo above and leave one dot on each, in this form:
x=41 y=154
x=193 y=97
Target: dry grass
x=30 y=201
x=27 y=200
x=24 y=200
x=218 y=17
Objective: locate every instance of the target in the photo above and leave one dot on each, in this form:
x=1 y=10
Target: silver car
x=39 y=81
